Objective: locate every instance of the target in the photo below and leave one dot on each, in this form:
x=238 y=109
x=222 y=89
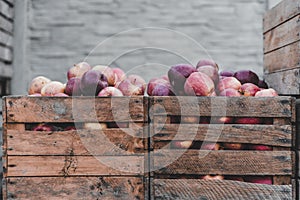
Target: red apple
x=206 y=62
x=53 y=88
x=259 y=147
x=165 y=77
x=119 y=74
x=61 y=95
x=110 y=91
x=226 y=73
x=246 y=76
x=266 y=93
x=210 y=146
x=92 y=82
x=230 y=92
x=233 y=146
x=260 y=180
x=248 y=120
x=211 y=177
x=159 y=87
x=229 y=82
x=37 y=84
x=78 y=70
x=138 y=81
x=108 y=73
x=178 y=74
x=199 y=84
x=181 y=144
x=210 y=71
x=262 y=84
x=43 y=127
x=73 y=87
x=129 y=89
x=249 y=89
x=35 y=95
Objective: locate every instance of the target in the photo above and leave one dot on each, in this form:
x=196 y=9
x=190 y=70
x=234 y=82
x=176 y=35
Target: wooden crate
x=176 y=171
x=281 y=29
x=75 y=164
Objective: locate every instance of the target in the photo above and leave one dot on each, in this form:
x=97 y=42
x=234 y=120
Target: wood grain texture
x=216 y=190
x=75 y=109
x=273 y=135
x=281 y=59
x=225 y=162
x=222 y=106
x=90 y=188
x=282 y=35
x=72 y=165
x=80 y=142
x=285 y=82
x=285 y=10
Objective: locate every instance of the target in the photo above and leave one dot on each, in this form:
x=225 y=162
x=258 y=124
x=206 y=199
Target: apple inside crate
x=249 y=140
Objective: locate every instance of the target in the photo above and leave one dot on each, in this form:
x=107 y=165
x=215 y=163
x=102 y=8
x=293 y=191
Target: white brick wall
x=62 y=32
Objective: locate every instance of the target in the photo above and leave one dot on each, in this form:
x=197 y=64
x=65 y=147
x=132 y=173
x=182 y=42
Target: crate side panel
x=273 y=135
x=74 y=165
x=215 y=190
x=224 y=162
x=85 y=109
x=284 y=82
x=76 y=188
x=285 y=58
x=80 y=142
x=223 y=106
x=283 y=11
x=282 y=35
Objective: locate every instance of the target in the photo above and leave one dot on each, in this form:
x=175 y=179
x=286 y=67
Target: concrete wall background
x=58 y=33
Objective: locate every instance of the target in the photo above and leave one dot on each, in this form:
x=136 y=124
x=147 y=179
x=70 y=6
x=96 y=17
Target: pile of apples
x=182 y=80
x=205 y=80
x=84 y=80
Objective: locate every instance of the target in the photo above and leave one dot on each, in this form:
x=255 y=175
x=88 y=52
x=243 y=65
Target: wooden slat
x=89 y=188
x=222 y=106
x=282 y=35
x=6 y=24
x=216 y=190
x=284 y=58
x=74 y=165
x=80 y=109
x=6 y=39
x=223 y=162
x=6 y=70
x=240 y=133
x=285 y=10
x=5 y=54
x=285 y=82
x=81 y=142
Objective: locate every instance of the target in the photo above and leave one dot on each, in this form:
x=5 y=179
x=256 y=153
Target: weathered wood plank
x=6 y=24
x=240 y=133
x=5 y=54
x=57 y=188
x=5 y=39
x=74 y=165
x=6 y=9
x=282 y=35
x=285 y=82
x=75 y=109
x=6 y=70
x=222 y=106
x=284 y=58
x=225 y=162
x=283 y=11
x=81 y=142
x=216 y=190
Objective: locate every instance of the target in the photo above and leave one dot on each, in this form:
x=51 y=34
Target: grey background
x=50 y=36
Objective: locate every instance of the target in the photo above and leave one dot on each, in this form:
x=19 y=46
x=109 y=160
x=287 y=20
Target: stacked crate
x=102 y=159
x=177 y=172
x=281 y=26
